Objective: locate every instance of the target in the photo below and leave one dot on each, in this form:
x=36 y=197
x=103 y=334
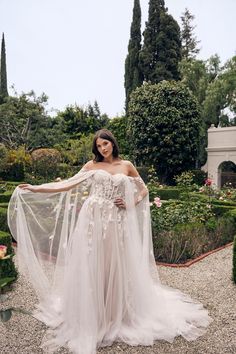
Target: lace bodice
x=107 y=187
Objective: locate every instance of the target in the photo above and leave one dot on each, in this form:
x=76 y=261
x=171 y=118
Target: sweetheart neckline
x=110 y=174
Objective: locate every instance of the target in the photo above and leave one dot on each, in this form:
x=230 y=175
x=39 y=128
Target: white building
x=221 y=148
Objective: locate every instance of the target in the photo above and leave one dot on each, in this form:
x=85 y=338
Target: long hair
x=104 y=134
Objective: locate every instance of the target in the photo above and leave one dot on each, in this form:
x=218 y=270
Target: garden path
x=208 y=281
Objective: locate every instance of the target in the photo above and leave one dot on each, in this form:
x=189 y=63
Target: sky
x=75 y=50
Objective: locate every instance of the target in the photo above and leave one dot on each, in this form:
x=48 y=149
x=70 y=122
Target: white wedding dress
x=92 y=266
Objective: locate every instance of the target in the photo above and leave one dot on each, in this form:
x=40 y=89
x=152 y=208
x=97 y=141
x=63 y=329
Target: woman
x=86 y=245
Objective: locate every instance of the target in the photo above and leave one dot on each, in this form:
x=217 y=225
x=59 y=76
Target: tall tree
x=161 y=51
x=163 y=125
x=3 y=71
x=133 y=73
x=189 y=40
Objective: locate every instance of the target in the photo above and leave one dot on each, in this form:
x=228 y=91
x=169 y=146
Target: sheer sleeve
x=141 y=190
x=42 y=224
x=143 y=217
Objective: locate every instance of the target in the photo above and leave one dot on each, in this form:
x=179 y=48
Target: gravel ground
x=208 y=281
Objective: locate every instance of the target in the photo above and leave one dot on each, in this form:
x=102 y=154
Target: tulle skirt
x=107 y=294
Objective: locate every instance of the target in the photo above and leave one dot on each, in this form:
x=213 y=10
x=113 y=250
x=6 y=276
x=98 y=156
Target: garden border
x=195 y=260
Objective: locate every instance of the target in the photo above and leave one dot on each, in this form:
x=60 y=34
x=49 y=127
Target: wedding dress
x=92 y=265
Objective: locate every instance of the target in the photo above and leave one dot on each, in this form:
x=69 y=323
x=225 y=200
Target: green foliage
x=3 y=157
x=221 y=95
x=198 y=76
x=3 y=71
x=199 y=177
x=23 y=122
x=18 y=162
x=118 y=126
x=45 y=163
x=163 y=193
x=185 y=180
x=195 y=76
x=188 y=39
x=78 y=121
x=179 y=244
x=163 y=127
x=4 y=205
x=179 y=212
x=220 y=210
x=133 y=73
x=187 y=227
x=7 y=267
x=234 y=260
x=143 y=171
x=5 y=197
x=6 y=186
x=76 y=151
x=3 y=220
x=5 y=239
x=161 y=51
x=152 y=176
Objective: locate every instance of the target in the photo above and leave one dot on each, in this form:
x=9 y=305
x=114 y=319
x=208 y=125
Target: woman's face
x=105 y=147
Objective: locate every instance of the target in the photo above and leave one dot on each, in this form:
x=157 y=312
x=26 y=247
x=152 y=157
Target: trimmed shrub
x=4 y=205
x=45 y=163
x=220 y=210
x=222 y=202
x=5 y=197
x=7 y=267
x=3 y=220
x=165 y=193
x=199 y=177
x=163 y=125
x=13 y=172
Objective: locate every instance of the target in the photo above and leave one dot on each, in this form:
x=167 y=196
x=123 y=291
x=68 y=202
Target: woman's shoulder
x=130 y=167
x=89 y=165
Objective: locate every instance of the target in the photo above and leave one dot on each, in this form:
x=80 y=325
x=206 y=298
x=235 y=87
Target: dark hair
x=104 y=134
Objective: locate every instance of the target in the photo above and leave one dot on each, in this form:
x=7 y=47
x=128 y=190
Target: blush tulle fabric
x=93 y=268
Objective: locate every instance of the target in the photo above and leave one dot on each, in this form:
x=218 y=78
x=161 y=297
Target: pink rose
x=158 y=202
x=208 y=182
x=3 y=251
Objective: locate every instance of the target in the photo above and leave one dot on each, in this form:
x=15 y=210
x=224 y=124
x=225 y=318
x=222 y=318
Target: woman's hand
x=27 y=187
x=119 y=202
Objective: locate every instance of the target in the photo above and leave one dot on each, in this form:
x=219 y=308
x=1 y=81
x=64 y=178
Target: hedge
x=222 y=202
x=5 y=197
x=220 y=210
x=4 y=205
x=8 y=272
x=3 y=220
x=167 y=193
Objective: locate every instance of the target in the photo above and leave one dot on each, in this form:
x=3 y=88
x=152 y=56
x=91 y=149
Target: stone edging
x=195 y=260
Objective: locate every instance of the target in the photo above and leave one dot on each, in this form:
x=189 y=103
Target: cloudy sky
x=74 y=50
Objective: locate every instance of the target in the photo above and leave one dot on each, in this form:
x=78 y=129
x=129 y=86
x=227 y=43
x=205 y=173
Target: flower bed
x=199 y=221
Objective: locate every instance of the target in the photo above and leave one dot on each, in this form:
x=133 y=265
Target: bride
x=86 y=246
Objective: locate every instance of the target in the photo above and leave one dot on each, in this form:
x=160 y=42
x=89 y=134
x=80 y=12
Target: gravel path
x=208 y=281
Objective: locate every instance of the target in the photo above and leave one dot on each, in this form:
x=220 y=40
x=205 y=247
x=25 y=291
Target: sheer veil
x=93 y=294
x=43 y=223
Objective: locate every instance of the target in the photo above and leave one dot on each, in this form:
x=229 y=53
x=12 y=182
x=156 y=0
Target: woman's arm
x=143 y=191
x=38 y=189
x=56 y=189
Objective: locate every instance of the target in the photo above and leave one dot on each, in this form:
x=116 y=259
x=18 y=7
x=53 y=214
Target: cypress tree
x=3 y=71
x=161 y=50
x=189 y=40
x=133 y=73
